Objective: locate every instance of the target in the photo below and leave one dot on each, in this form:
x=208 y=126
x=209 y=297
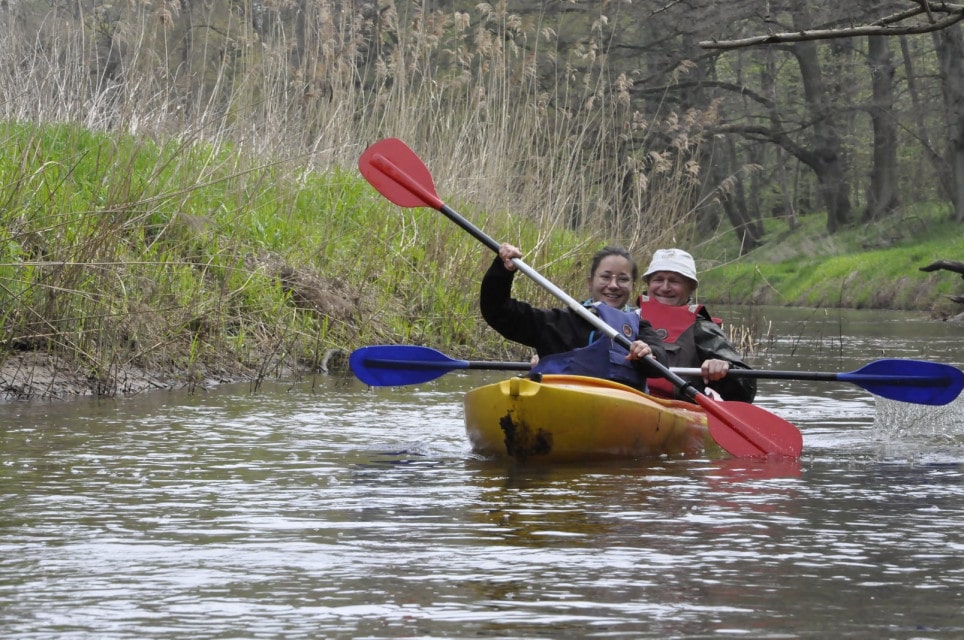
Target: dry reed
x=507 y=121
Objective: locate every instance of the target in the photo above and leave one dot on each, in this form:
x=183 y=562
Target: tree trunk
x=939 y=165
x=950 y=52
x=882 y=193
x=768 y=83
x=826 y=160
x=748 y=229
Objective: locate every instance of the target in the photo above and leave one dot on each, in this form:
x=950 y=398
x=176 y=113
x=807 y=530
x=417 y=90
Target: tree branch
x=766 y=134
x=887 y=26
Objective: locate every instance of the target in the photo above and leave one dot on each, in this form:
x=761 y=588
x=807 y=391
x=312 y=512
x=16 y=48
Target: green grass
x=128 y=254
x=116 y=252
x=874 y=266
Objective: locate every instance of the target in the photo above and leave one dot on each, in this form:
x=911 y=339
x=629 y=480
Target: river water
x=325 y=509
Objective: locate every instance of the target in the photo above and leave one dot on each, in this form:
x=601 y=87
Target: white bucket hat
x=675 y=260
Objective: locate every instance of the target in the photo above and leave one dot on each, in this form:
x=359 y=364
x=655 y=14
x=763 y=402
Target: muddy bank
x=28 y=371
x=36 y=375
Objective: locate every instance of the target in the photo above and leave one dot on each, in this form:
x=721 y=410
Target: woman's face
x=612 y=282
x=670 y=288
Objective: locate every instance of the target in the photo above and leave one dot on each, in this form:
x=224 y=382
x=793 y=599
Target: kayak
x=564 y=418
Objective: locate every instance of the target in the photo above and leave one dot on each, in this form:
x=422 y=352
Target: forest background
x=180 y=202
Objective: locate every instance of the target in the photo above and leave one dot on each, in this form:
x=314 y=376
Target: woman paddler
x=564 y=341
x=691 y=337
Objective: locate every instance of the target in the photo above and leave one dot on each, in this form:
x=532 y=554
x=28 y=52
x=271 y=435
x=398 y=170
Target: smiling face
x=612 y=281
x=670 y=288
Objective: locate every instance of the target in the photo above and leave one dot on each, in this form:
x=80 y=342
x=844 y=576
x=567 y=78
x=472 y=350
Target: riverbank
x=48 y=376
x=875 y=265
x=116 y=279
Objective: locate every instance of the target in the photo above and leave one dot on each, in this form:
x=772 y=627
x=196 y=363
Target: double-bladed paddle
x=914 y=381
x=742 y=429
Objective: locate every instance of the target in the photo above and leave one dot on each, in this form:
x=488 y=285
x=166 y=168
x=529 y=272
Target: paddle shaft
x=775 y=375
x=915 y=381
x=392 y=361
x=822 y=376
x=390 y=169
x=934 y=388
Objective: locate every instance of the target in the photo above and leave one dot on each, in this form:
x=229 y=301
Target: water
x=325 y=509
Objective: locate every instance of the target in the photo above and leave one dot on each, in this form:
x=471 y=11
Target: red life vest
x=676 y=327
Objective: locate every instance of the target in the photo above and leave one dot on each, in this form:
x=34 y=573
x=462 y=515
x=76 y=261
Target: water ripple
x=339 y=511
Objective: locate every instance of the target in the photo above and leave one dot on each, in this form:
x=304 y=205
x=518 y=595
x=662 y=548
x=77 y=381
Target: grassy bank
x=868 y=266
x=124 y=258
x=128 y=260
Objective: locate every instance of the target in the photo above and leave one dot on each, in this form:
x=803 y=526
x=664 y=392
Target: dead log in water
x=949 y=265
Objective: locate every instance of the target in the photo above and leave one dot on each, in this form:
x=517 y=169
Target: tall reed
x=224 y=203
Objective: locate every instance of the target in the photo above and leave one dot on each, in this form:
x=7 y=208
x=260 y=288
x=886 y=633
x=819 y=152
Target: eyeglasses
x=621 y=279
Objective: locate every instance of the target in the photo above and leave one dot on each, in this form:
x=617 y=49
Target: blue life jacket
x=603 y=357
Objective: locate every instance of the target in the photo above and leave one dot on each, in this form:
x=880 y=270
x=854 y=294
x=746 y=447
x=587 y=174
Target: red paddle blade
x=398 y=174
x=747 y=431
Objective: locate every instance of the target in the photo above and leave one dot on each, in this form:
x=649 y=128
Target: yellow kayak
x=566 y=418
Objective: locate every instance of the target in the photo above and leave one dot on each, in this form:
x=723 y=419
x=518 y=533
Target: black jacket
x=547 y=331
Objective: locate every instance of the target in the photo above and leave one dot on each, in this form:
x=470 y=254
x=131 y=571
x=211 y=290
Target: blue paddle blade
x=399 y=365
x=916 y=381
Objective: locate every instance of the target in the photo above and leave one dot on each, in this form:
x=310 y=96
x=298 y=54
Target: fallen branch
x=948 y=265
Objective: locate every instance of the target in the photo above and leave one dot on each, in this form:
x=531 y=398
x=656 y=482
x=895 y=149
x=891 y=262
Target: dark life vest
x=603 y=357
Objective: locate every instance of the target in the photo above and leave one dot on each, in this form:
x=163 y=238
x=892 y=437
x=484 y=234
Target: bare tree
x=824 y=153
x=942 y=20
x=950 y=54
x=882 y=192
x=899 y=23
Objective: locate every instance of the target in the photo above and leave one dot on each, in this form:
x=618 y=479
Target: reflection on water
x=330 y=510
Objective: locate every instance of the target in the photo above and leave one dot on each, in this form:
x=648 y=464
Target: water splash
x=920 y=432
